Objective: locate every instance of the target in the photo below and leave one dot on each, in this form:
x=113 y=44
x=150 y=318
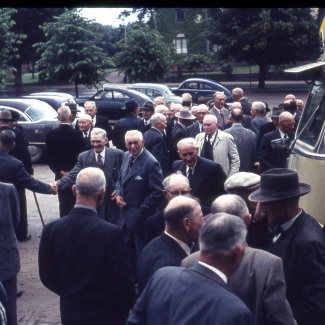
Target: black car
x=56 y=100
x=36 y=117
x=111 y=100
x=198 y=87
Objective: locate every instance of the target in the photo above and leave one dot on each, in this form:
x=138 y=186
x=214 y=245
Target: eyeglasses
x=175 y=193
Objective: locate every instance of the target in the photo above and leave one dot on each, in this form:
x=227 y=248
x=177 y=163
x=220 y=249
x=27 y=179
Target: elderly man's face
x=287 y=125
x=159 y=101
x=299 y=105
x=97 y=142
x=146 y=113
x=219 y=101
x=90 y=110
x=200 y=113
x=188 y=154
x=275 y=212
x=172 y=111
x=84 y=124
x=175 y=188
x=161 y=125
x=134 y=144
x=165 y=112
x=209 y=127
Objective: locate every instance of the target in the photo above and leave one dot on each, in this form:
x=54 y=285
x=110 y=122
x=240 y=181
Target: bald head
x=286 y=122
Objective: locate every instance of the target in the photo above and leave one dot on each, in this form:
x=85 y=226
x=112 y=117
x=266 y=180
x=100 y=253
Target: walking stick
x=39 y=210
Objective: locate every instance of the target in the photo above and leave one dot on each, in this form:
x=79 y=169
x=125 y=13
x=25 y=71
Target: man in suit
x=19 y=151
x=85 y=125
x=238 y=96
x=63 y=146
x=138 y=191
x=184 y=120
x=194 y=129
x=273 y=150
x=259 y=116
x=174 y=185
x=156 y=141
x=148 y=110
x=245 y=140
x=107 y=159
x=219 y=110
x=200 y=294
x=218 y=146
x=291 y=107
x=129 y=122
x=84 y=259
x=259 y=280
x=206 y=177
x=9 y=251
x=98 y=121
x=13 y=171
x=298 y=239
x=183 y=217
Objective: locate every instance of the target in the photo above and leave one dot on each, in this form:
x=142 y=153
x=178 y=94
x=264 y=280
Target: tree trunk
x=76 y=89
x=179 y=73
x=18 y=75
x=262 y=76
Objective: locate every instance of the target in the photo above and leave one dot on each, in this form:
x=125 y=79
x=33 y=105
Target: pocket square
x=138 y=178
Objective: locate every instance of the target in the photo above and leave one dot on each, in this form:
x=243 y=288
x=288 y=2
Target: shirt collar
x=185 y=247
x=215 y=270
x=102 y=153
x=85 y=207
x=193 y=168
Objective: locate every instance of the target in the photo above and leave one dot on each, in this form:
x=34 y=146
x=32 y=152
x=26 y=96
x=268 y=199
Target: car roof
x=52 y=93
x=19 y=103
x=201 y=80
x=152 y=85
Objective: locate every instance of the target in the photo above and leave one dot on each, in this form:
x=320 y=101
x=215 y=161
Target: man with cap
x=243 y=184
x=298 y=239
x=129 y=122
x=19 y=151
x=63 y=146
x=273 y=150
x=147 y=111
x=184 y=119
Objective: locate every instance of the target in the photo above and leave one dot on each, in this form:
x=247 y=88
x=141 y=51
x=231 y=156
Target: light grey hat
x=242 y=181
x=185 y=114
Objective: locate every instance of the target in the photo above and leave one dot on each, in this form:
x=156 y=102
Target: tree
x=143 y=56
x=27 y=22
x=70 y=54
x=270 y=36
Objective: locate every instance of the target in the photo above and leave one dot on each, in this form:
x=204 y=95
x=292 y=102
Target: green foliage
x=70 y=54
x=8 y=42
x=143 y=56
x=264 y=36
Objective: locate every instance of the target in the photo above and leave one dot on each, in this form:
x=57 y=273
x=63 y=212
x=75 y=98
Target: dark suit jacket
x=155 y=224
x=272 y=157
x=85 y=261
x=13 y=171
x=245 y=140
x=265 y=128
x=192 y=130
x=302 y=249
x=178 y=133
x=257 y=122
x=102 y=123
x=141 y=188
x=9 y=218
x=127 y=123
x=108 y=210
x=63 y=146
x=20 y=150
x=176 y=295
x=263 y=290
x=161 y=251
x=246 y=106
x=207 y=181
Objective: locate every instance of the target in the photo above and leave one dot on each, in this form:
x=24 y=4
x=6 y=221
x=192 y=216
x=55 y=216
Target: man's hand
x=63 y=173
x=120 y=202
x=54 y=187
x=113 y=195
x=258 y=166
x=260 y=213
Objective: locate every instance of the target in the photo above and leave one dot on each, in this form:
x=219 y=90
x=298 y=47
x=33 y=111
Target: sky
x=106 y=16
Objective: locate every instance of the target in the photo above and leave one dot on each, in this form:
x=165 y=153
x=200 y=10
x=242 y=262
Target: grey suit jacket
x=259 y=283
x=9 y=218
x=245 y=140
x=224 y=151
x=108 y=210
x=141 y=188
x=222 y=116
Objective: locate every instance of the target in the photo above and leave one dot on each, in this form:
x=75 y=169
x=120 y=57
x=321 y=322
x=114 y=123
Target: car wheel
x=36 y=153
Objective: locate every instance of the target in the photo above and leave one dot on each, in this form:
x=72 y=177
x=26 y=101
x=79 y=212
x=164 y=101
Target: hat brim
x=257 y=196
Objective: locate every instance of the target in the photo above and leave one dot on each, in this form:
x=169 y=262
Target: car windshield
x=168 y=93
x=39 y=111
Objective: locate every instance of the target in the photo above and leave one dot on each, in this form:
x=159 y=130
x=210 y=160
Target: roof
x=19 y=103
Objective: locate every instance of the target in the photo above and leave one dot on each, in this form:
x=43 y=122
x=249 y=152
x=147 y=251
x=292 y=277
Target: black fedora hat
x=277 y=184
x=131 y=104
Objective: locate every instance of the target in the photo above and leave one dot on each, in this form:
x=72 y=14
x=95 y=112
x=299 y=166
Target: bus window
x=313 y=130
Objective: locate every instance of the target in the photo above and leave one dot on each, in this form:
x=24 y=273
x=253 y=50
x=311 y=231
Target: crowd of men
x=185 y=215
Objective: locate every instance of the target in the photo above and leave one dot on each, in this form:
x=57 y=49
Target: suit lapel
x=198 y=175
x=91 y=159
x=137 y=166
x=108 y=164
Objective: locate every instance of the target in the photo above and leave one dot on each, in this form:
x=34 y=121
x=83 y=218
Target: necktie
x=190 y=175
x=100 y=161
x=131 y=161
x=85 y=134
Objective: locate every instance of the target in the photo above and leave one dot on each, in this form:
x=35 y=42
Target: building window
x=179 y=15
x=181 y=45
